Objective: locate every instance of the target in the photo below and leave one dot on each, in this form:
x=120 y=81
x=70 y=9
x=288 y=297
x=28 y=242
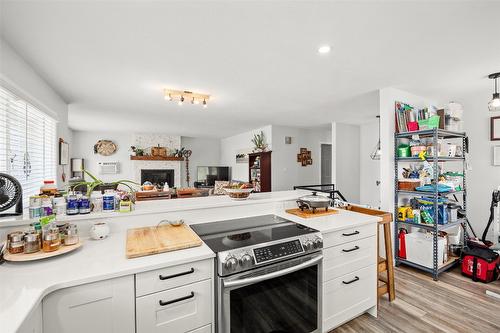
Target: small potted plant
x=259 y=142
x=136 y=151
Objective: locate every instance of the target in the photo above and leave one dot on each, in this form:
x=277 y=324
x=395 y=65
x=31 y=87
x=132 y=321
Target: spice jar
x=71 y=235
x=51 y=240
x=15 y=242
x=32 y=242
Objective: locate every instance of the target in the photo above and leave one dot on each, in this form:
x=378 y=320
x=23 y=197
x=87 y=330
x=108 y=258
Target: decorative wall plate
x=105 y=147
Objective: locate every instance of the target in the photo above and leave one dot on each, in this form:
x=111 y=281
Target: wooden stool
x=386 y=283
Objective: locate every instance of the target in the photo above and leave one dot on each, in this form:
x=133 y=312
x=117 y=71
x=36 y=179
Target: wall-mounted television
x=209 y=174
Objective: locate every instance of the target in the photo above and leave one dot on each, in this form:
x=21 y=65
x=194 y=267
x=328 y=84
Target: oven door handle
x=237 y=283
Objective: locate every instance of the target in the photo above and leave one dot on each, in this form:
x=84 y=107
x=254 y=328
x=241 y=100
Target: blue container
x=72 y=205
x=442 y=213
x=84 y=205
x=108 y=202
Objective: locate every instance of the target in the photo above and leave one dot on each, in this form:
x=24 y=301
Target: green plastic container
x=404 y=150
x=432 y=122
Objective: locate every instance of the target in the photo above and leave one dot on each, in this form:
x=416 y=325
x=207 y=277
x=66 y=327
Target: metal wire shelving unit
x=435 y=135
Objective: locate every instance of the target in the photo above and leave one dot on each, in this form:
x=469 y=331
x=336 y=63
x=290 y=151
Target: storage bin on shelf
x=419 y=249
x=427 y=204
x=409 y=184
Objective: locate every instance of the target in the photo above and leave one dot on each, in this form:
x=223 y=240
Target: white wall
x=19 y=76
x=369 y=173
x=483 y=178
x=286 y=171
x=83 y=147
x=232 y=145
x=346 y=160
x=206 y=152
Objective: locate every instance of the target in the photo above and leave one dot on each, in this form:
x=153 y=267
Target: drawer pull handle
x=352 y=233
x=191 y=295
x=353 y=280
x=350 y=250
x=161 y=277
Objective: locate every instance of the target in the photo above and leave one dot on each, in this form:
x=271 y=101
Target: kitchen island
x=27 y=287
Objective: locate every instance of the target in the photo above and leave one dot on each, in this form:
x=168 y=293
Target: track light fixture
x=180 y=96
x=494 y=104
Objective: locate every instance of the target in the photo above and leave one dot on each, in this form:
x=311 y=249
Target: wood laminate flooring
x=452 y=304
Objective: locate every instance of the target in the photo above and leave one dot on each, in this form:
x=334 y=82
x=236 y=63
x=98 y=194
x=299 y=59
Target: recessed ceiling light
x=324 y=49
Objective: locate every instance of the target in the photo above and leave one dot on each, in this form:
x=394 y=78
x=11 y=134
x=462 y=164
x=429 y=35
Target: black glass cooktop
x=232 y=234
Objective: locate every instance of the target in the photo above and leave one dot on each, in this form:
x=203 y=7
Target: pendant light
x=494 y=104
x=375 y=155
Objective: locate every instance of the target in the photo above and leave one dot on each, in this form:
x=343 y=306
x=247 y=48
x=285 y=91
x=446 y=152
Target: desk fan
x=11 y=194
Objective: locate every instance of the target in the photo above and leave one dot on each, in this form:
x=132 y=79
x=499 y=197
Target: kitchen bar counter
x=170 y=205
x=343 y=219
x=23 y=285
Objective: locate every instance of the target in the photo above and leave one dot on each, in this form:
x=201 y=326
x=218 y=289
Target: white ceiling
x=110 y=60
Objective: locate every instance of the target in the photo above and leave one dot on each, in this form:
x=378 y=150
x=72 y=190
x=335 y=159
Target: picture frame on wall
x=63 y=152
x=496 y=155
x=495 y=128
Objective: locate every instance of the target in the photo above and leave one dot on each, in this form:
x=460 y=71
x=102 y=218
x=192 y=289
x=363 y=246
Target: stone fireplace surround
x=148 y=140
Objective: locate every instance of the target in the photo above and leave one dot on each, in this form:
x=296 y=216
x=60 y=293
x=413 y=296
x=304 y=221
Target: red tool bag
x=480 y=264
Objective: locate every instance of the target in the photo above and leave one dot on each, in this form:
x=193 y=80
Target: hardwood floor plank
x=454 y=304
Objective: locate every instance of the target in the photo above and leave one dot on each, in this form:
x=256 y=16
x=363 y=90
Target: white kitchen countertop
x=23 y=285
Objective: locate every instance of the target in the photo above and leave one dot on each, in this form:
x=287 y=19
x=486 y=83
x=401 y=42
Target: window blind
x=27 y=143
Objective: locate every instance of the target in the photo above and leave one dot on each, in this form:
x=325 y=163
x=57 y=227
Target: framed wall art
x=495 y=128
x=496 y=155
x=63 y=152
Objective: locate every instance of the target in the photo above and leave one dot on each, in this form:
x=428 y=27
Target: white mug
x=99 y=230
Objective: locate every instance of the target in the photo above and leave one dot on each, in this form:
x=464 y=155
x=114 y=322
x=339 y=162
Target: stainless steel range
x=268 y=274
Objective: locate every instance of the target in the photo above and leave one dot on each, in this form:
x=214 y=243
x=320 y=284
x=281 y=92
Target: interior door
x=326 y=163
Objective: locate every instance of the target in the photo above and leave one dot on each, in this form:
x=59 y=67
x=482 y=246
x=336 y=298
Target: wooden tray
x=309 y=214
x=40 y=254
x=164 y=238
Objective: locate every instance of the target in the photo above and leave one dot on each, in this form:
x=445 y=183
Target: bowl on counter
x=238 y=193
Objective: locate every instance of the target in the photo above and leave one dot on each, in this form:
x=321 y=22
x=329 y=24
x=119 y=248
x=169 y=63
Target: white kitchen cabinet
x=171 y=277
x=349 y=274
x=32 y=324
x=101 y=307
x=343 y=259
x=348 y=296
x=180 y=309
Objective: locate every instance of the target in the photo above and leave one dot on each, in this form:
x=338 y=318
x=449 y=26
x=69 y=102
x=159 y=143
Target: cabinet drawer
x=204 y=329
x=176 y=310
x=349 y=296
x=346 y=258
x=349 y=234
x=171 y=277
x=99 y=307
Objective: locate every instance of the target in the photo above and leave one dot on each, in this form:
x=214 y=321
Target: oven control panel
x=276 y=251
x=250 y=257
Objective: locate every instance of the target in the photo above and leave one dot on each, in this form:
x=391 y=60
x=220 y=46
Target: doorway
x=326 y=163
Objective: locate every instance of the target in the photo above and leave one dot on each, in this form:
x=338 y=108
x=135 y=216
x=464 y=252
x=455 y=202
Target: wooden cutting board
x=308 y=213
x=158 y=239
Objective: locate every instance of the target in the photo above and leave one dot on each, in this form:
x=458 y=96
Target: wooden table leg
x=390 y=262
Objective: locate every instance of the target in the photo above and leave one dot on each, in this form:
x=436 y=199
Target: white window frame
x=39 y=138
